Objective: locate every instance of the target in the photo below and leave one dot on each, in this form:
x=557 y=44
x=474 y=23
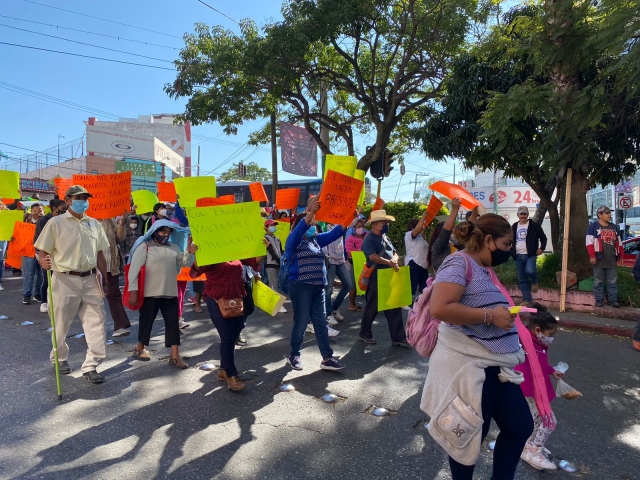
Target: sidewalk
x=596 y=322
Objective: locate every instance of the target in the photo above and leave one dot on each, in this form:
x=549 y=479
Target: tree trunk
x=578 y=223
x=554 y=219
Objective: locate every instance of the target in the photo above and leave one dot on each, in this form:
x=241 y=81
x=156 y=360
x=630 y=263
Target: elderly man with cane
x=71 y=245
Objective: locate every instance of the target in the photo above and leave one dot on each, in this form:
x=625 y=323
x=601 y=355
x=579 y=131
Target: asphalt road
x=149 y=420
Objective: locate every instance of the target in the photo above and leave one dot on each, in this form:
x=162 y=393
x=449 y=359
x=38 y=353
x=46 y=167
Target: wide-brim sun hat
x=378 y=216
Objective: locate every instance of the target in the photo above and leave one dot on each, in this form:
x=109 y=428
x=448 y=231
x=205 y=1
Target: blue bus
x=240 y=189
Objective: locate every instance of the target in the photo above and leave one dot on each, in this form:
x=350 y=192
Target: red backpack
x=422 y=328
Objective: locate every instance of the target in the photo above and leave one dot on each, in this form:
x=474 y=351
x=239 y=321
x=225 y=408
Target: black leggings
x=505 y=403
x=148 y=312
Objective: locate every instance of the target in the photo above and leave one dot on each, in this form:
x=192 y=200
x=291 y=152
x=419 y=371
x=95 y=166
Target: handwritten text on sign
x=267 y=299
x=111 y=193
x=227 y=232
x=22 y=243
x=287 y=199
x=342 y=164
x=257 y=192
x=339 y=198
x=167 y=192
x=62 y=185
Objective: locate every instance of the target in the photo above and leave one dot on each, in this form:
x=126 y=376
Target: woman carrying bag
x=162 y=261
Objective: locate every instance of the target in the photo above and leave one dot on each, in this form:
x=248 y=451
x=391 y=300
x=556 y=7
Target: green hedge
x=403 y=212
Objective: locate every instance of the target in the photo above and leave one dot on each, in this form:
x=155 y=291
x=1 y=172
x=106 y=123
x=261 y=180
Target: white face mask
x=133 y=226
x=543 y=339
x=162 y=212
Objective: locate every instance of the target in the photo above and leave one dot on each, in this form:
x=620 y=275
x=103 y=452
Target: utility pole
x=495 y=191
x=324 y=132
x=415 y=186
x=59 y=137
x=198 y=160
x=454 y=173
x=274 y=159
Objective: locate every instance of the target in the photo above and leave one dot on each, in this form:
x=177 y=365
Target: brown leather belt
x=81 y=274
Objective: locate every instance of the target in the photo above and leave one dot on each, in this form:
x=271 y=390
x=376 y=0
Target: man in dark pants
x=636 y=333
x=379 y=252
x=529 y=241
x=604 y=246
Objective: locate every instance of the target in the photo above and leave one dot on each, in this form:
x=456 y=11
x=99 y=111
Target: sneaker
x=614 y=304
x=535 y=287
x=1 y=289
x=406 y=308
x=44 y=308
x=310 y=329
x=26 y=300
x=141 y=354
x=241 y=341
x=38 y=299
x=370 y=341
x=282 y=310
x=64 y=367
x=121 y=332
x=92 y=377
x=332 y=331
x=534 y=456
x=599 y=304
x=332 y=321
x=331 y=364
x=294 y=362
x=182 y=324
x=337 y=315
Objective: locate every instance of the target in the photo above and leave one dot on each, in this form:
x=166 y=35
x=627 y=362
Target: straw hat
x=379 y=215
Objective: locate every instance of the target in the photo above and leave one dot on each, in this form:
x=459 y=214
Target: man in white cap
x=71 y=245
x=379 y=252
x=529 y=241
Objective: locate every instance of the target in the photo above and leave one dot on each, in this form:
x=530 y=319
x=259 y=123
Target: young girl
x=542 y=326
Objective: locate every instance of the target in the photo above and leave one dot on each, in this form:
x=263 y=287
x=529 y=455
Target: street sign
x=626 y=202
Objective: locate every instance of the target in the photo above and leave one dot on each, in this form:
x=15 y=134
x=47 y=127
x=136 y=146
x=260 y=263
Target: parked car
x=631 y=251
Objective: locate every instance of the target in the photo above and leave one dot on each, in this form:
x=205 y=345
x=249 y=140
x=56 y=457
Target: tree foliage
x=255 y=173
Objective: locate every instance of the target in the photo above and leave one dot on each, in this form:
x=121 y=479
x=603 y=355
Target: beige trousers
x=80 y=296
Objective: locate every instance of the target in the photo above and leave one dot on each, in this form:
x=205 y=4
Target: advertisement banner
x=137 y=169
x=508 y=197
x=298 y=151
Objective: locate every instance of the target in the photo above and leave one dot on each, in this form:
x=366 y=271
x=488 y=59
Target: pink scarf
x=539 y=386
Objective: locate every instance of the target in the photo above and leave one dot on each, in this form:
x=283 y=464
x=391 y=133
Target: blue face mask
x=311 y=232
x=385 y=229
x=80 y=206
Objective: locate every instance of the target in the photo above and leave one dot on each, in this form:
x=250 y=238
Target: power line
x=103 y=19
x=84 y=43
x=117 y=37
x=86 y=56
x=216 y=10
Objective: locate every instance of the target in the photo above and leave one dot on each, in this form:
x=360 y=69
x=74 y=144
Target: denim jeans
x=419 y=277
x=345 y=277
x=526 y=268
x=31 y=272
x=610 y=276
x=308 y=304
x=3 y=248
x=228 y=329
x=505 y=403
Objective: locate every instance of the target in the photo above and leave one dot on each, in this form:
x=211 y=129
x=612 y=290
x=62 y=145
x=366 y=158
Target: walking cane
x=54 y=339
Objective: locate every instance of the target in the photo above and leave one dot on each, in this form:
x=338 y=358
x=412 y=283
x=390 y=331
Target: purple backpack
x=422 y=328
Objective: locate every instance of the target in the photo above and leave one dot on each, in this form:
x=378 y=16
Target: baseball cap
x=523 y=209
x=604 y=209
x=270 y=222
x=77 y=190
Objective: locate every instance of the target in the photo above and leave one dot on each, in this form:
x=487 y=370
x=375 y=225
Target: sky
x=153 y=29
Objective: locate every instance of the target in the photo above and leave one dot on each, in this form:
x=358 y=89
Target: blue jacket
x=300 y=249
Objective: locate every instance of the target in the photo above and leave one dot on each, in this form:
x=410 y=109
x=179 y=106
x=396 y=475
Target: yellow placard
x=282 y=232
x=227 y=232
x=190 y=189
x=358 y=265
x=267 y=299
x=144 y=200
x=394 y=288
x=359 y=175
x=9 y=184
x=8 y=219
x=342 y=164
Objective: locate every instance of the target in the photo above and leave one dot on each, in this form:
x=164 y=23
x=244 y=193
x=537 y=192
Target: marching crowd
x=478 y=369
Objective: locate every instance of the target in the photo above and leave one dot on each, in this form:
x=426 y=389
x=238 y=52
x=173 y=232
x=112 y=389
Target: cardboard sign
x=22 y=243
x=378 y=205
x=432 y=209
x=8 y=219
x=144 y=200
x=359 y=260
x=227 y=232
x=360 y=176
x=257 y=192
x=282 y=232
x=342 y=164
x=111 y=194
x=62 y=185
x=190 y=189
x=167 y=192
x=184 y=276
x=9 y=184
x=451 y=190
x=339 y=198
x=215 y=202
x=266 y=299
x=288 y=199
x=394 y=288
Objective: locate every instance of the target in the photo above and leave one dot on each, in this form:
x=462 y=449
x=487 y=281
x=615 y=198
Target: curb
x=597 y=328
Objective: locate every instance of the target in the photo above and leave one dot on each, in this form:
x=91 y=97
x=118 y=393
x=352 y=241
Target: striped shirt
x=480 y=293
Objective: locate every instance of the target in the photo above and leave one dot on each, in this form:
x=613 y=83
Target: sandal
x=197 y=308
x=178 y=363
x=357 y=309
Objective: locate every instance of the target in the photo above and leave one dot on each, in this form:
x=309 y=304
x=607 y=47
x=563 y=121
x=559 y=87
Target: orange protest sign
x=339 y=198
x=166 y=192
x=230 y=199
x=111 y=193
x=215 y=202
x=184 y=276
x=287 y=199
x=378 y=205
x=451 y=191
x=13 y=261
x=22 y=243
x=8 y=201
x=257 y=192
x=432 y=209
x=62 y=185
